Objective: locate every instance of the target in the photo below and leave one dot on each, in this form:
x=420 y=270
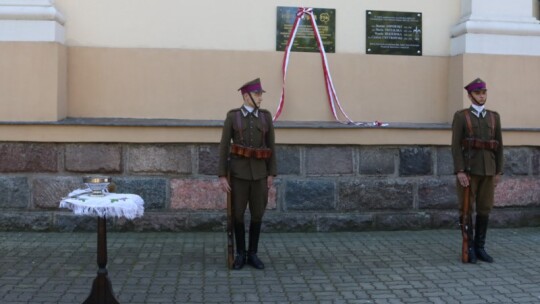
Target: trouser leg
x=484 y=204
x=240 y=194
x=257 y=206
x=256 y=193
x=240 y=237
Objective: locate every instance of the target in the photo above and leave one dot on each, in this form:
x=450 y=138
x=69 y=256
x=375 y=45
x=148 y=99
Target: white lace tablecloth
x=118 y=205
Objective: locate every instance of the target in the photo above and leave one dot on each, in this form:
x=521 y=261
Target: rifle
x=465 y=226
x=230 y=227
x=466 y=222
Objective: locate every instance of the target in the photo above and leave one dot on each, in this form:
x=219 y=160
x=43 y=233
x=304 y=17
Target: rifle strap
x=469 y=123
x=263 y=121
x=238 y=121
x=492 y=126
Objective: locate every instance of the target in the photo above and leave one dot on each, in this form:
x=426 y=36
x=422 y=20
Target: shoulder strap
x=492 y=126
x=263 y=121
x=238 y=123
x=469 y=123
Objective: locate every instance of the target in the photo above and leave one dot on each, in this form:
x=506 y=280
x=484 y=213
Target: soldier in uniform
x=477 y=150
x=247 y=153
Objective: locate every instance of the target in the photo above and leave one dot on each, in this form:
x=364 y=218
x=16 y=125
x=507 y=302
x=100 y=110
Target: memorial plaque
x=305 y=39
x=393 y=33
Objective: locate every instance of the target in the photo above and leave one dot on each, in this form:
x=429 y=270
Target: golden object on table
x=97 y=184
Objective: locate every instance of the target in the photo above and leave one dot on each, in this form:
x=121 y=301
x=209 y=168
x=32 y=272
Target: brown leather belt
x=475 y=143
x=247 y=152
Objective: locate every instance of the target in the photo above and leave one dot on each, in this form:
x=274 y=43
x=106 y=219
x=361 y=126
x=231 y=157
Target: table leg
x=102 y=292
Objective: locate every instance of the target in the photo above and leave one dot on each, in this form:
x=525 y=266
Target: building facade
x=138 y=90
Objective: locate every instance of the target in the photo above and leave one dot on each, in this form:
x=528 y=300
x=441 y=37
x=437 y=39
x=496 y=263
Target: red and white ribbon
x=330 y=90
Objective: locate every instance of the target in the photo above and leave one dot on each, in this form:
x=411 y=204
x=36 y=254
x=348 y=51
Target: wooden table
x=110 y=205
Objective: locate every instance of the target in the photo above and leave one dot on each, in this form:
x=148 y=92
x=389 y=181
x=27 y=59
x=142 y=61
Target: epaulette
x=233 y=110
x=264 y=110
x=494 y=112
x=461 y=111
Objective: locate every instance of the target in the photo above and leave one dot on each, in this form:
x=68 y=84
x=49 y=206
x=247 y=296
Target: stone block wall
x=319 y=188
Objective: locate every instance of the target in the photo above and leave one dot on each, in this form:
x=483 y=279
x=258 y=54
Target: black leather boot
x=480 y=239
x=470 y=243
x=254 y=233
x=240 y=236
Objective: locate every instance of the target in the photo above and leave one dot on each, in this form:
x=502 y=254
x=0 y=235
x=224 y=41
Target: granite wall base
x=318 y=188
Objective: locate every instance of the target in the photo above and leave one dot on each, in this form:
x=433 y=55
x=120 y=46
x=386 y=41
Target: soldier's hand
x=463 y=179
x=497 y=179
x=224 y=183
x=269 y=181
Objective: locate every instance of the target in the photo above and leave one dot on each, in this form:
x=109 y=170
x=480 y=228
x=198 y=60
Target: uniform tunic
x=248 y=175
x=481 y=164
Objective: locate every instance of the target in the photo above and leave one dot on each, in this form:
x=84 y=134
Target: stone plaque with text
x=393 y=33
x=305 y=39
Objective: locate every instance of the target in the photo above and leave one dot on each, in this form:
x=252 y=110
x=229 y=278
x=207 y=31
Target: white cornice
x=26 y=2
x=30 y=10
x=31 y=20
x=495 y=45
x=496 y=27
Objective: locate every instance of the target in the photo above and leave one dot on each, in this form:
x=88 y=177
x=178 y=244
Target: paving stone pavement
x=344 y=267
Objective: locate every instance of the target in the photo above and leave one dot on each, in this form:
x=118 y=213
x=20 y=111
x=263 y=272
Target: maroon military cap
x=252 y=86
x=476 y=85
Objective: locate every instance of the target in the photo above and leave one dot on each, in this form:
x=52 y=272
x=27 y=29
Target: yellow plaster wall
x=33 y=81
x=183 y=84
x=141 y=59
x=512 y=83
x=150 y=83
x=242 y=25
